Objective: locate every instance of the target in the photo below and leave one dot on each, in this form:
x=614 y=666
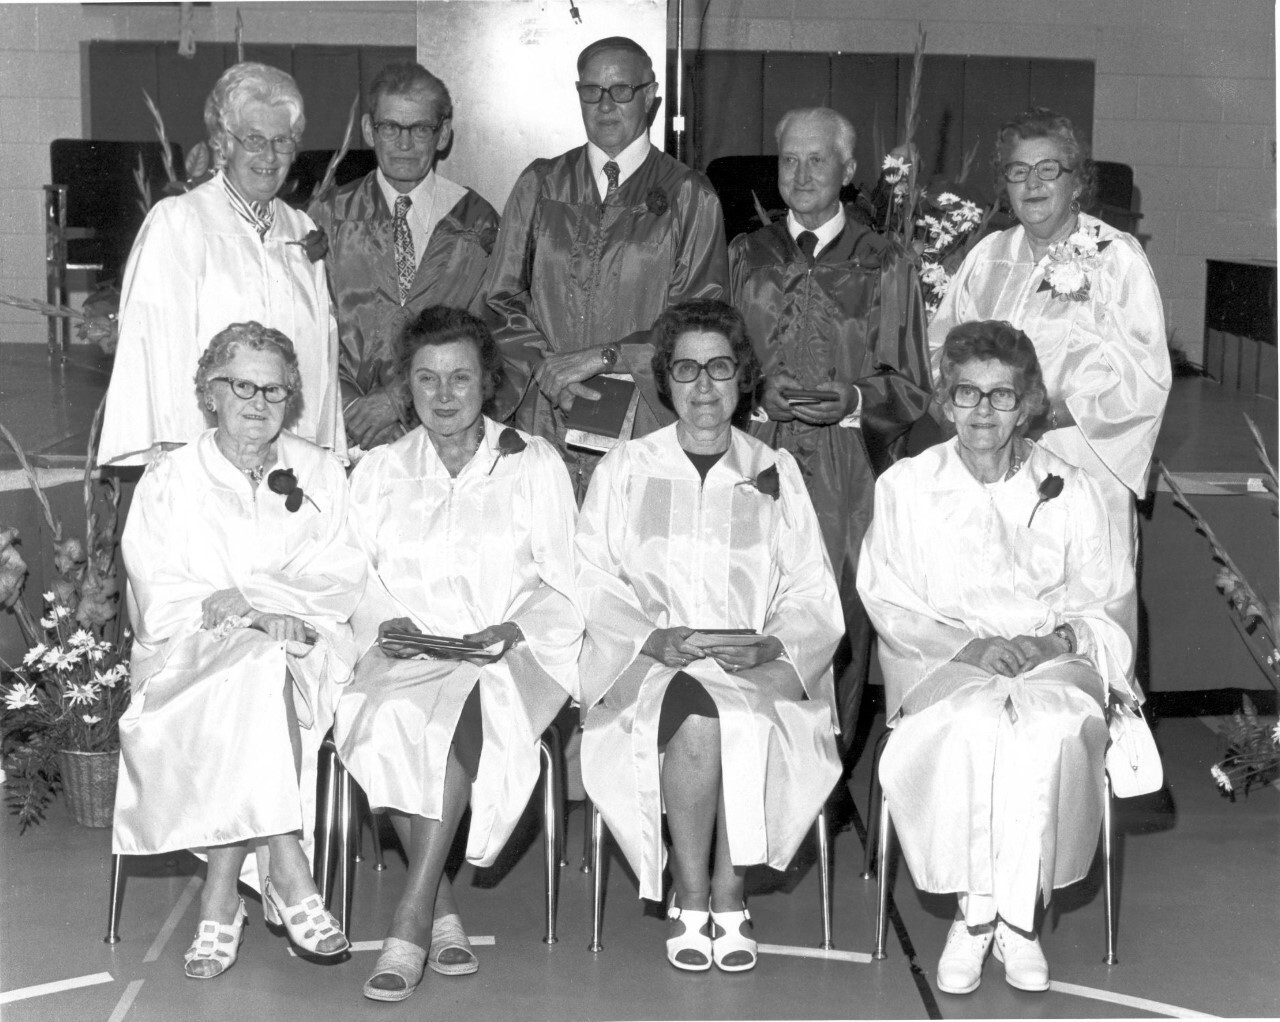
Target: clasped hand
x=229 y=603
x=1009 y=657
x=670 y=647
x=844 y=398
x=560 y=377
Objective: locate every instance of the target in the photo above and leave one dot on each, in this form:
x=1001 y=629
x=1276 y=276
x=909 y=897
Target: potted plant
x=60 y=708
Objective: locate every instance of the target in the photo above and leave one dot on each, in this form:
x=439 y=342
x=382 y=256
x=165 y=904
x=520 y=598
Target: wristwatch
x=609 y=356
x=1068 y=636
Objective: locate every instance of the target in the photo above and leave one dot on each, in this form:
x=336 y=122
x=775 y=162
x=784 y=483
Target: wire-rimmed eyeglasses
x=282 y=144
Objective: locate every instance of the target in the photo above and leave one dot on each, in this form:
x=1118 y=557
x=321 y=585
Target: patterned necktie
x=808 y=242
x=611 y=171
x=406 y=265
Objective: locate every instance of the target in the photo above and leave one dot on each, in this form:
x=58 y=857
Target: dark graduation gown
x=569 y=272
x=855 y=316
x=361 y=266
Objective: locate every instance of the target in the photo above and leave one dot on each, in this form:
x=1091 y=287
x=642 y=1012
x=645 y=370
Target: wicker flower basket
x=89 y=782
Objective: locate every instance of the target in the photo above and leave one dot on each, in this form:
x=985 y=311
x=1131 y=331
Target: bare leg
x=691 y=791
x=219 y=900
x=446 y=904
x=726 y=880
x=428 y=848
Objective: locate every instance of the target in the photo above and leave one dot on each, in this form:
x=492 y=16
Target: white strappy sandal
x=218 y=943
x=691 y=949
x=309 y=924
x=732 y=949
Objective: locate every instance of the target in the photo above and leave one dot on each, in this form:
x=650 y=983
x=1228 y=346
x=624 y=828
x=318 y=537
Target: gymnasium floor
x=1198 y=899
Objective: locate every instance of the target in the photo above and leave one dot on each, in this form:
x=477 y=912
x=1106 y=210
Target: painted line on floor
x=126 y=1000
x=815 y=952
x=376 y=945
x=1141 y=1003
x=171 y=923
x=23 y=993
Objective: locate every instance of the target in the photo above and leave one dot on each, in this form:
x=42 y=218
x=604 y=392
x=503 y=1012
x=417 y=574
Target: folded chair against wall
x=880 y=833
x=93 y=208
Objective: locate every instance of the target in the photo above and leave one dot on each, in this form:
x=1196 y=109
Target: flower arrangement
x=1071 y=262
x=72 y=686
x=935 y=232
x=1252 y=745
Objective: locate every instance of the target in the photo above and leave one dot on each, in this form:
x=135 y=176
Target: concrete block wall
x=1185 y=93
x=42 y=96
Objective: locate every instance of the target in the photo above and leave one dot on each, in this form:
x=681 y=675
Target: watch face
x=609 y=355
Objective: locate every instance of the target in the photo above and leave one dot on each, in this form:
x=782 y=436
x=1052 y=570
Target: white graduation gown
x=197 y=267
x=994 y=783
x=659 y=548
x=457 y=555
x=206 y=756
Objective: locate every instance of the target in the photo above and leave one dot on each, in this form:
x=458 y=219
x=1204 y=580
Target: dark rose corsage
x=1049 y=488
x=285 y=483
x=314 y=243
x=509 y=442
x=656 y=201
x=766 y=482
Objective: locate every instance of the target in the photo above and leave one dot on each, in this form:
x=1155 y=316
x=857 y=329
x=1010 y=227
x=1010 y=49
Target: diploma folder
x=704 y=637
x=437 y=647
x=602 y=425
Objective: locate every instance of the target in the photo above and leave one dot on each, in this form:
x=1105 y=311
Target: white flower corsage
x=1070 y=263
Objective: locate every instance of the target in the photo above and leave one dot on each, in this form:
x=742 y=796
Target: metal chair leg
x=324 y=844
x=597 y=860
x=346 y=867
x=824 y=876
x=1108 y=839
x=359 y=809
x=588 y=844
x=882 y=885
x=113 y=912
x=873 y=809
x=379 y=864
x=551 y=737
x=551 y=812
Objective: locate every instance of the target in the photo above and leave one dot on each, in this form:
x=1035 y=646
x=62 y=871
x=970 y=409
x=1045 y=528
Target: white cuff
x=854 y=419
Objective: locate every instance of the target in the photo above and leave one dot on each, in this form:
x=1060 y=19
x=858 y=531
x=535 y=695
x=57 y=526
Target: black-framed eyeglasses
x=589 y=92
x=686 y=370
x=1046 y=170
x=282 y=144
x=1002 y=399
x=247 y=390
x=419 y=131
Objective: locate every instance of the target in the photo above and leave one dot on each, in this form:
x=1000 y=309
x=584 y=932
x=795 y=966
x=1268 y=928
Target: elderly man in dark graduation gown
x=595 y=244
x=830 y=308
x=400 y=239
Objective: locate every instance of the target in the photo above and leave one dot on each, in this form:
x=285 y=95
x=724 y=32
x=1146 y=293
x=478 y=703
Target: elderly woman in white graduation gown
x=468 y=528
x=701 y=526
x=227 y=251
x=1084 y=293
x=241 y=581
x=996 y=590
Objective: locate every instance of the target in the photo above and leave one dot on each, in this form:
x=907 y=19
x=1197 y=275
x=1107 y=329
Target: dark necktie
x=808 y=242
x=611 y=171
x=406 y=265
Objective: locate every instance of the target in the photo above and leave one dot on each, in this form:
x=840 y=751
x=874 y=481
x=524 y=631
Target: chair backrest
x=1113 y=203
x=308 y=171
x=103 y=194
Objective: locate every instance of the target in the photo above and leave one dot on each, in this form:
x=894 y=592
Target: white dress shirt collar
x=628 y=161
x=827 y=233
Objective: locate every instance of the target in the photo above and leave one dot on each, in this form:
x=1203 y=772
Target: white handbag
x=1133 y=761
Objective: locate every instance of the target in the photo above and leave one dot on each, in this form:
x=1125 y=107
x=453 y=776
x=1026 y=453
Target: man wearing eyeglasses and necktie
x=401 y=239
x=595 y=244
x=838 y=325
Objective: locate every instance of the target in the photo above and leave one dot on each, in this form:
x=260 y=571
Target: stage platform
x=1192 y=645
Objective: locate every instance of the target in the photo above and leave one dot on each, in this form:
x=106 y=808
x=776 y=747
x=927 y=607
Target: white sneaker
x=1024 y=963
x=960 y=967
